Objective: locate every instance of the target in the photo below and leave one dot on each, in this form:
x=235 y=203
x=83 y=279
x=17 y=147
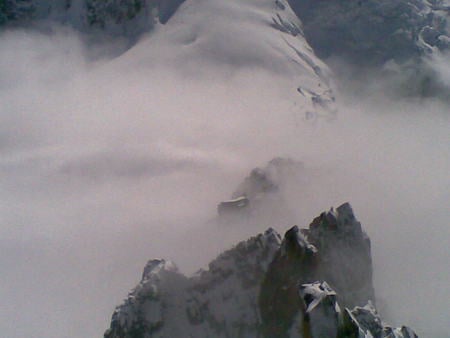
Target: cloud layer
x=107 y=163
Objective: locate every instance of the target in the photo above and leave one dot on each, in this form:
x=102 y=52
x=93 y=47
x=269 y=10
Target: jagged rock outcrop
x=323 y=317
x=295 y=263
x=219 y=302
x=334 y=249
x=391 y=41
x=365 y=322
x=265 y=287
x=223 y=300
x=371 y=32
x=345 y=256
x=150 y=305
x=259 y=187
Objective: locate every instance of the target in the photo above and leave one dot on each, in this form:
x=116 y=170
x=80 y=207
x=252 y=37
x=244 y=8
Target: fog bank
x=107 y=163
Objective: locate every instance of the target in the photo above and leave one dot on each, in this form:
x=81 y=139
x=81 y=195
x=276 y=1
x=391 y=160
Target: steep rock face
x=345 y=257
x=374 y=31
x=222 y=300
x=391 y=41
x=295 y=263
x=334 y=249
x=218 y=302
x=149 y=306
x=321 y=315
x=265 y=287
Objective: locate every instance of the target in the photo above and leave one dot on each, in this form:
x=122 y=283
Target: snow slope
x=203 y=36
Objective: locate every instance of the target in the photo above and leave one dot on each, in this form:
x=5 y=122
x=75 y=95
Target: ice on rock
x=321 y=316
x=315 y=293
x=365 y=322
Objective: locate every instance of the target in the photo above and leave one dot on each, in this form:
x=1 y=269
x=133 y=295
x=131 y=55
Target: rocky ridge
x=314 y=282
x=362 y=32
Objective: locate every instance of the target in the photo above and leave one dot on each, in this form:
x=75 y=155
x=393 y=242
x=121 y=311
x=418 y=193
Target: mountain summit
x=313 y=283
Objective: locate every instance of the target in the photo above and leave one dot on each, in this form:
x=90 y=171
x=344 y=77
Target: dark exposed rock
x=295 y=263
x=13 y=10
x=372 y=32
x=334 y=249
x=265 y=287
x=392 y=41
x=235 y=206
x=257 y=189
x=117 y=17
x=345 y=256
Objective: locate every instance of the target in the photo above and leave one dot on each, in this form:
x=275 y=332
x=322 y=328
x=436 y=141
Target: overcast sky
x=106 y=163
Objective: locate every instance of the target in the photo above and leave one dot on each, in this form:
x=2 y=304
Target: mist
x=108 y=162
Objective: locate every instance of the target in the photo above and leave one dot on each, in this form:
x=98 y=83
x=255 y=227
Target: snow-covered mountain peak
x=262 y=287
x=246 y=33
x=220 y=301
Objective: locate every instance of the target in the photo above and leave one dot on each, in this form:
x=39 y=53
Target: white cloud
x=105 y=164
